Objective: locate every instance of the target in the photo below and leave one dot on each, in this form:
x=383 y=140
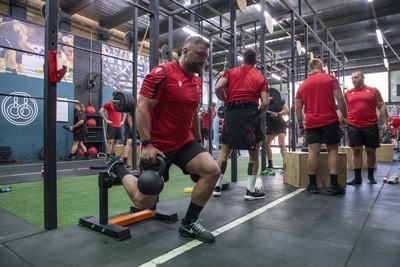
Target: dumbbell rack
x=115 y=227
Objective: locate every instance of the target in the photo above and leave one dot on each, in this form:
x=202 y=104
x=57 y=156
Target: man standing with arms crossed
x=362 y=102
x=169 y=126
x=317 y=96
x=240 y=89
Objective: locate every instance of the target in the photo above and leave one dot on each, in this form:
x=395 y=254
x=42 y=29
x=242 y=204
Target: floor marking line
x=30 y=173
x=194 y=243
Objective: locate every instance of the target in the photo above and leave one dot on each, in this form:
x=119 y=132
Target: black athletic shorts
x=329 y=134
x=114 y=133
x=180 y=157
x=242 y=126
x=79 y=135
x=128 y=133
x=204 y=134
x=275 y=125
x=368 y=136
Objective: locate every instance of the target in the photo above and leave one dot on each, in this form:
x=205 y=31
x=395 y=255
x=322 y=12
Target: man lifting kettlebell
x=174 y=135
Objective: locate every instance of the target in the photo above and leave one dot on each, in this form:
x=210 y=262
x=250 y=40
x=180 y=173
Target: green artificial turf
x=79 y=196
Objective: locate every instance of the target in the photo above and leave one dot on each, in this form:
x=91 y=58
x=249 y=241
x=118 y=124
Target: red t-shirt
x=361 y=106
x=179 y=96
x=245 y=83
x=316 y=93
x=395 y=122
x=206 y=119
x=112 y=114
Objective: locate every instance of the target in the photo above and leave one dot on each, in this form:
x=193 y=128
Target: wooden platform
x=295 y=169
x=119 y=150
x=383 y=154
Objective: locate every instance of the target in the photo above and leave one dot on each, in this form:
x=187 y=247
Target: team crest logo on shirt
x=158 y=69
x=180 y=83
x=367 y=90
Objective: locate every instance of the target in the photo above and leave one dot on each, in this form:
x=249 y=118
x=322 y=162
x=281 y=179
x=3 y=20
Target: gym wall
x=21 y=119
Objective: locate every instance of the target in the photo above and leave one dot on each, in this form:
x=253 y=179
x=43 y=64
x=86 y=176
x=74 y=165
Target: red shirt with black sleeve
x=179 y=96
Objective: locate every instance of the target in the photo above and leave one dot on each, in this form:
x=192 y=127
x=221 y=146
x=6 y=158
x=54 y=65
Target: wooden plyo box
x=119 y=150
x=383 y=154
x=295 y=170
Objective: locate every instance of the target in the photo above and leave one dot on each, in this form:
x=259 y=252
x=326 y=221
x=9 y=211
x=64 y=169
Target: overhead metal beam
x=79 y=6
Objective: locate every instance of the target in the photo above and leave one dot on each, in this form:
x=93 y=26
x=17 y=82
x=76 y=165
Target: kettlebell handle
x=161 y=162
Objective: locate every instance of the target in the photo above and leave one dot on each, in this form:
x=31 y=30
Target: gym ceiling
x=348 y=26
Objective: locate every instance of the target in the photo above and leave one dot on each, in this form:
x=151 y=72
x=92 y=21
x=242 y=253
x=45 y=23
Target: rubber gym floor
x=290 y=227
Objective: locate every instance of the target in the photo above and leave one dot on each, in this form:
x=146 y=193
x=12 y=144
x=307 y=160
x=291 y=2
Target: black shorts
x=329 y=134
x=368 y=136
x=276 y=126
x=79 y=135
x=242 y=126
x=114 y=133
x=128 y=133
x=180 y=157
x=204 y=134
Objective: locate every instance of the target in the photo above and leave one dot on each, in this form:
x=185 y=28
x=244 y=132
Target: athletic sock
x=220 y=179
x=270 y=166
x=251 y=182
x=192 y=213
x=334 y=179
x=313 y=179
x=121 y=171
x=371 y=172
x=357 y=174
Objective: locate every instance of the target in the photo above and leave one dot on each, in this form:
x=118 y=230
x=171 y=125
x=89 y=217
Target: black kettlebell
x=151 y=181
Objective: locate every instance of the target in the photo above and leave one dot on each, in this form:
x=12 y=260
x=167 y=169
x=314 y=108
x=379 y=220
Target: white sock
x=219 y=182
x=251 y=183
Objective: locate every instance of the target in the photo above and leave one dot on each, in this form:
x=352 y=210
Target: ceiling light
x=275 y=76
x=385 y=61
x=191 y=32
x=379 y=36
x=369 y=1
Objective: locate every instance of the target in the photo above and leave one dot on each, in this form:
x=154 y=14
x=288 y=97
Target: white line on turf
x=194 y=243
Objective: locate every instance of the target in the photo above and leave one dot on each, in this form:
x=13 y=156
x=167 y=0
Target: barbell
x=59 y=99
x=124 y=102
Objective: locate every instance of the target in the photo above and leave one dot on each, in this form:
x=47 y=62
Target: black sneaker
x=70 y=158
x=336 y=189
x=312 y=188
x=196 y=230
x=114 y=161
x=217 y=191
x=257 y=194
x=372 y=180
x=355 y=181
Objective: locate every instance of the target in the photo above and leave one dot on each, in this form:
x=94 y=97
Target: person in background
x=114 y=120
x=206 y=125
x=362 y=103
x=276 y=127
x=317 y=96
x=79 y=129
x=128 y=138
x=241 y=89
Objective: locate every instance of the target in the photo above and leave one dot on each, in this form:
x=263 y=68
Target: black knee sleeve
x=223 y=167
x=250 y=168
